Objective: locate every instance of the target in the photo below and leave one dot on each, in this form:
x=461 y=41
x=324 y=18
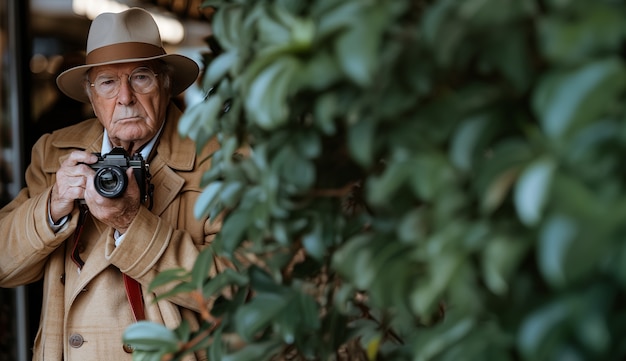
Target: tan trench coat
x=84 y=314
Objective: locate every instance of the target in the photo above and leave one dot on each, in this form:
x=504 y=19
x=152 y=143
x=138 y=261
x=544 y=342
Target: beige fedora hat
x=128 y=36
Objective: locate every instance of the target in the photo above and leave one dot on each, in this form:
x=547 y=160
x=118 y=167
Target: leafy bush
x=427 y=180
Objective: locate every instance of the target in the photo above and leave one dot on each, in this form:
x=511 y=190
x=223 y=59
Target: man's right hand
x=71 y=180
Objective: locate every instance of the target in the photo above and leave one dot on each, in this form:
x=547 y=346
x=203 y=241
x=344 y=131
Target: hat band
x=123 y=51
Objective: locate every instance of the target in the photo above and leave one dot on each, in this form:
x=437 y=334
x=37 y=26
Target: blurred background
x=38 y=40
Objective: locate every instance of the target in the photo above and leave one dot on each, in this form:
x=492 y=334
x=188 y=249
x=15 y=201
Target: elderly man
x=98 y=252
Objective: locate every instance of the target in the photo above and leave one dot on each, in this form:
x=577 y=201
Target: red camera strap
x=76 y=239
x=135 y=298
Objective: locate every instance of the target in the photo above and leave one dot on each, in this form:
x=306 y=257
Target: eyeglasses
x=142 y=80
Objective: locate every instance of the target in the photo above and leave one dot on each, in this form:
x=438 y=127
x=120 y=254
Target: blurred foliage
x=427 y=180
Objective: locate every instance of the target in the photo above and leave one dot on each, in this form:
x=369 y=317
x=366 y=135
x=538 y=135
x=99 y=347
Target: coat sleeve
x=27 y=239
x=151 y=246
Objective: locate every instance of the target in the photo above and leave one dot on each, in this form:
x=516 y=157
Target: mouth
x=133 y=118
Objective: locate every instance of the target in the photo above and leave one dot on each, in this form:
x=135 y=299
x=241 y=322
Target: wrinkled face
x=130 y=100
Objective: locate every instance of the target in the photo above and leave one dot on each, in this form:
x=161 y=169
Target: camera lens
x=110 y=181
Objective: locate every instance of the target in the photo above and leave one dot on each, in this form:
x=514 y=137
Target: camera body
x=111 y=181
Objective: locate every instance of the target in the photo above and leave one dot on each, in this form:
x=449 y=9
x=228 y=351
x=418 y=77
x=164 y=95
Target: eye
x=141 y=77
x=105 y=81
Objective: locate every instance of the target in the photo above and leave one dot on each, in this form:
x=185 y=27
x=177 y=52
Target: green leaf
x=361 y=136
x=297 y=171
x=501 y=258
x=413 y=226
x=183 y=332
x=231 y=193
x=270 y=29
x=426 y=297
x=496 y=175
x=309 y=313
x=254 y=352
x=335 y=16
x=181 y=288
x=430 y=175
x=191 y=120
x=443 y=32
x=381 y=190
x=508 y=53
x=565 y=100
x=139 y=355
x=449 y=335
x=434 y=20
x=149 y=336
x=216 y=349
x=226 y=25
x=392 y=268
x=540 y=326
x=207 y=199
x=465 y=141
x=266 y=101
x=234 y=229
x=357 y=47
x=555 y=241
x=353 y=258
x=219 y=67
x=326 y=108
x=594 y=331
x=223 y=279
x=167 y=276
x=201 y=267
x=313 y=242
x=261 y=281
x=253 y=317
x=302 y=30
x=573 y=39
x=308 y=144
x=532 y=190
x=319 y=72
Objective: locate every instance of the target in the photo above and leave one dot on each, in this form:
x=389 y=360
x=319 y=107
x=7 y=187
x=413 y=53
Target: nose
x=126 y=95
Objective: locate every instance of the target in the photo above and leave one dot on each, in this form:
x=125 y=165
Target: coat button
x=76 y=340
x=63 y=279
x=128 y=348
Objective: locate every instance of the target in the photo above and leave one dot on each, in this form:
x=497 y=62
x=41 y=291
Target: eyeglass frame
x=128 y=78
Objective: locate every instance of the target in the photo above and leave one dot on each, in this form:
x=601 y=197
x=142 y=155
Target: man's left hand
x=115 y=212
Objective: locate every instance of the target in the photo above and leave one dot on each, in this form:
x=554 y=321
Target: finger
x=80 y=157
x=79 y=181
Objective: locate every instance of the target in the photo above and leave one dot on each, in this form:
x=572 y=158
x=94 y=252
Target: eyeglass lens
x=141 y=80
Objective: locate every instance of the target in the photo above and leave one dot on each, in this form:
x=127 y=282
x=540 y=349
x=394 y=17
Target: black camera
x=111 y=180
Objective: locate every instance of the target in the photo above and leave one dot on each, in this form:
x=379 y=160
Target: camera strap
x=135 y=297
x=76 y=239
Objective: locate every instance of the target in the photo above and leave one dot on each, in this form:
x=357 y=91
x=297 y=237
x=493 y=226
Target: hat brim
x=184 y=73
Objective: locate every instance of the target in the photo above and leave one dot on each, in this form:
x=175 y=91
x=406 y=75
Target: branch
x=195 y=341
x=334 y=192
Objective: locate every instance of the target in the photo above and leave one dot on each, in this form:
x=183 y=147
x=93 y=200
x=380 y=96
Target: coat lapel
x=95 y=232
x=172 y=153
x=168 y=184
